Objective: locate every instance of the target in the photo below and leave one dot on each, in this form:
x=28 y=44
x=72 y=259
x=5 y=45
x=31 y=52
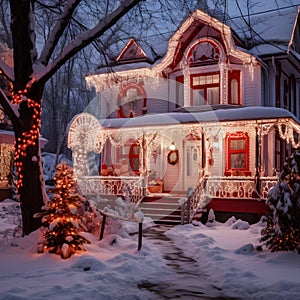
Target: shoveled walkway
x=188 y=282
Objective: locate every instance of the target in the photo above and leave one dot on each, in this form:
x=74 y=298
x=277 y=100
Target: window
x=128 y=157
x=234 y=87
x=280 y=150
x=207 y=87
x=179 y=91
x=134 y=158
x=237 y=156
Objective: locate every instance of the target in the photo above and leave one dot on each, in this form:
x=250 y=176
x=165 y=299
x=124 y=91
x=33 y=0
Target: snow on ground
x=113 y=268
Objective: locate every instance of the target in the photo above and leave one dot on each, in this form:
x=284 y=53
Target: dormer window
x=205 y=88
x=203 y=52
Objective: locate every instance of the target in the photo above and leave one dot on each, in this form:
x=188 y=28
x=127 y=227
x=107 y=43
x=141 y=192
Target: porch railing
x=131 y=186
x=225 y=187
x=196 y=200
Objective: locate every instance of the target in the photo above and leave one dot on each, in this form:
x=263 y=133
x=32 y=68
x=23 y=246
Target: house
x=7 y=139
x=215 y=111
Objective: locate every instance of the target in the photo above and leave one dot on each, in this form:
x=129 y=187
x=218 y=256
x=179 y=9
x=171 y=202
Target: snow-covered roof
x=272 y=27
x=209 y=115
x=269 y=28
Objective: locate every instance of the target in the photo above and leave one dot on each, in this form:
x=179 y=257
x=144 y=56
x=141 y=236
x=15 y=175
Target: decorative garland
x=173 y=157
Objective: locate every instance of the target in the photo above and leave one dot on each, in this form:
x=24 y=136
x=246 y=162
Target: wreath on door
x=173 y=157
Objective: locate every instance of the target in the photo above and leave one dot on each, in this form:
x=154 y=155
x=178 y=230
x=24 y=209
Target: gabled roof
x=273 y=30
x=132 y=52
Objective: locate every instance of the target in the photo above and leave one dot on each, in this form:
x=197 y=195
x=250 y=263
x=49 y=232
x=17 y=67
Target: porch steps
x=162 y=209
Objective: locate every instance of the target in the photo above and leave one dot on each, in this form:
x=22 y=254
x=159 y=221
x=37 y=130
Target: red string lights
x=30 y=136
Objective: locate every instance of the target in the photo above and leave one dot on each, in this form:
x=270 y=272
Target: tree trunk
x=30 y=193
x=28 y=163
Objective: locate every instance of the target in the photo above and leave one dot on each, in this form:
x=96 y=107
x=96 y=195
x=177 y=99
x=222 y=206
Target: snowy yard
x=113 y=268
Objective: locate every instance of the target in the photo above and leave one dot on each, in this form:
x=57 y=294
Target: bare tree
x=39 y=52
x=31 y=70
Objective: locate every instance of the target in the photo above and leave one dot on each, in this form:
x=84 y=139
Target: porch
x=235 y=194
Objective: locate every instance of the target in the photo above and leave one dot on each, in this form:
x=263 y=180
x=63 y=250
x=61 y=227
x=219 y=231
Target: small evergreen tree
x=282 y=231
x=65 y=215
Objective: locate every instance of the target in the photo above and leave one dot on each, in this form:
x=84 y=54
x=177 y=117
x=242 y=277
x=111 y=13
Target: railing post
x=140 y=237
x=102 y=227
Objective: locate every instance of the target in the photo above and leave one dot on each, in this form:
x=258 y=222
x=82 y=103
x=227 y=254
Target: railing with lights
x=127 y=186
x=238 y=187
x=196 y=200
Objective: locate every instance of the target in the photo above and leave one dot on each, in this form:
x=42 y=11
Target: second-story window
x=234 y=87
x=205 y=88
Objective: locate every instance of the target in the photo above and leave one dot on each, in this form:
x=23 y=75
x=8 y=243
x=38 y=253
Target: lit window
x=128 y=156
x=234 y=91
x=205 y=87
x=237 y=156
x=234 y=87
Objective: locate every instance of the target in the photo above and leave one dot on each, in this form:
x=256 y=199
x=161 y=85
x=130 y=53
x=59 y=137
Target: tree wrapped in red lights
x=65 y=217
x=30 y=70
x=282 y=231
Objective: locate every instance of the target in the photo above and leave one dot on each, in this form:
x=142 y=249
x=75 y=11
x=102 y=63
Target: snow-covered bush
x=282 y=231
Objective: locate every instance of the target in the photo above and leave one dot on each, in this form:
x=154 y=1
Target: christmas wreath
x=173 y=157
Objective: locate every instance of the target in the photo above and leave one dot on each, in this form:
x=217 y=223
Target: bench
x=139 y=221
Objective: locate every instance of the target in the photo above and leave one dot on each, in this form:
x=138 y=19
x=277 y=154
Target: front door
x=192 y=162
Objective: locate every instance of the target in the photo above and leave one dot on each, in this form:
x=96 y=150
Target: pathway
x=188 y=282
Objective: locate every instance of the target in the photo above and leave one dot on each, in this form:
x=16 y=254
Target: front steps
x=162 y=209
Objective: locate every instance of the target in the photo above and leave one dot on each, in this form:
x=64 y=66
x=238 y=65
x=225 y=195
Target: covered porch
x=184 y=155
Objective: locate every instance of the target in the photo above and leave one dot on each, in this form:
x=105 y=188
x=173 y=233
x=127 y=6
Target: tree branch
x=7 y=70
x=85 y=39
x=5 y=103
x=57 y=31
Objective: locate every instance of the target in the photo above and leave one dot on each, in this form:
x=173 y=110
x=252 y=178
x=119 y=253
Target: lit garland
x=30 y=136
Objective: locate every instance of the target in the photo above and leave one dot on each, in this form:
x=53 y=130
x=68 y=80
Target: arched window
x=234 y=87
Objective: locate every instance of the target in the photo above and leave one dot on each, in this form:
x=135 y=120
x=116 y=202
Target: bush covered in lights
x=282 y=231
x=65 y=216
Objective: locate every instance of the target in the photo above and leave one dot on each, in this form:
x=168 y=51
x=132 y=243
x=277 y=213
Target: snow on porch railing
x=131 y=186
x=266 y=183
x=195 y=201
x=239 y=187
x=224 y=187
x=232 y=187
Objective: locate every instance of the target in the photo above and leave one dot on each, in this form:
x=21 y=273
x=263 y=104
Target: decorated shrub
x=282 y=231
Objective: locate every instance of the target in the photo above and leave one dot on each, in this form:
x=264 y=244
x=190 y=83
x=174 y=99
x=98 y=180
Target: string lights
x=31 y=135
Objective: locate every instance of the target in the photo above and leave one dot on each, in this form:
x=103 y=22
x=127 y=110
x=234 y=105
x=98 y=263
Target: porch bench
x=106 y=214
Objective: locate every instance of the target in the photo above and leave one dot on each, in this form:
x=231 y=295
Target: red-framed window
x=134 y=157
x=205 y=86
x=237 y=154
x=127 y=156
x=234 y=89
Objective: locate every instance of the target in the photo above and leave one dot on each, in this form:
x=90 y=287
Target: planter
x=155 y=188
x=3 y=183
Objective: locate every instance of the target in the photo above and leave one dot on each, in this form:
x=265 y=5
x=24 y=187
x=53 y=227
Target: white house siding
x=251 y=82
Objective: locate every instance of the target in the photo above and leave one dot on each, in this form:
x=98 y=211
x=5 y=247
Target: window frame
x=205 y=87
x=129 y=157
x=229 y=170
x=234 y=75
